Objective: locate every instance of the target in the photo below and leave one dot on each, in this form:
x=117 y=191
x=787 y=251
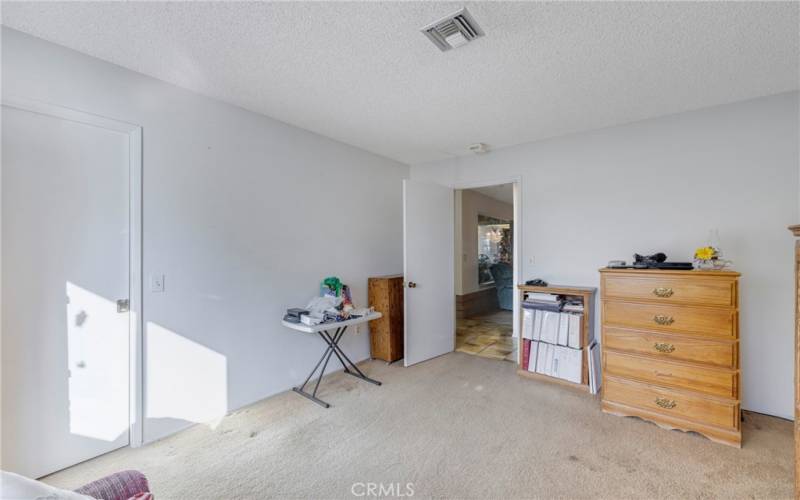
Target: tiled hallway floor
x=488 y=336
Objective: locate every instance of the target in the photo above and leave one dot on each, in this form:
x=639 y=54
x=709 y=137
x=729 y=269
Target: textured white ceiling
x=362 y=73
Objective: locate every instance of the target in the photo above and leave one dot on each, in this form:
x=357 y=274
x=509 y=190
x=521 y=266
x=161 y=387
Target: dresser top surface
x=670 y=272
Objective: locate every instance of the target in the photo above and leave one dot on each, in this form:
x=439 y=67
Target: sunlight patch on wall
x=97 y=353
x=185 y=380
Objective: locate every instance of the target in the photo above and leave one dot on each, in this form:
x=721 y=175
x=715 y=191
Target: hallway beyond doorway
x=488 y=336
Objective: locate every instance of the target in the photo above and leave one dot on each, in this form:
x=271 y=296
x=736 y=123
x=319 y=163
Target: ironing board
x=331 y=333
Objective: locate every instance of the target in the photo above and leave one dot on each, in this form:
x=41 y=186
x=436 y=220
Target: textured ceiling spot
x=361 y=73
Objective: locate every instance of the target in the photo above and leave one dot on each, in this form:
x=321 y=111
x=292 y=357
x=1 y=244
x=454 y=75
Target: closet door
x=65 y=251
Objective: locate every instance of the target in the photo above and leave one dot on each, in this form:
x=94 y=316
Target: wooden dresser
x=671 y=349
x=385 y=294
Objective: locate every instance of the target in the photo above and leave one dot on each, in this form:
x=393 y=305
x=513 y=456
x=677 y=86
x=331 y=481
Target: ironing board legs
x=333 y=348
x=333 y=343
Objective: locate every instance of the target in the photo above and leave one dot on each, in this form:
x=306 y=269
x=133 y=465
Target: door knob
x=411 y=284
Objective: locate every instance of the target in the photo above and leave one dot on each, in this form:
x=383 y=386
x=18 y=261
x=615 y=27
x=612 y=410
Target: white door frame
x=134 y=133
x=516 y=181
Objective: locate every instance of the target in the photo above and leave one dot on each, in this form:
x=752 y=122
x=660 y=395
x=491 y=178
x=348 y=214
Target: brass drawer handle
x=663 y=292
x=662 y=319
x=664 y=347
x=666 y=403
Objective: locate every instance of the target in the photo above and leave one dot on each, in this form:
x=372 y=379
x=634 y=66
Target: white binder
x=550 y=326
x=527 y=323
x=549 y=361
x=594 y=368
x=541 y=358
x=532 y=355
x=575 y=326
x=569 y=364
x=537 y=325
x=563 y=329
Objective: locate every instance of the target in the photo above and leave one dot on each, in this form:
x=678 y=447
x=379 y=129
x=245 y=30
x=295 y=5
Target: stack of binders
x=558 y=328
x=552 y=339
x=543 y=301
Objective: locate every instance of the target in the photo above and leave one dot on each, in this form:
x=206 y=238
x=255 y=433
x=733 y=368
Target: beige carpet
x=458 y=426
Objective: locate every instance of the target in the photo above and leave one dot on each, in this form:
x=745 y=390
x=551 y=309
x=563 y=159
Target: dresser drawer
x=714 y=381
x=669 y=290
x=719 y=322
x=699 y=349
x=673 y=403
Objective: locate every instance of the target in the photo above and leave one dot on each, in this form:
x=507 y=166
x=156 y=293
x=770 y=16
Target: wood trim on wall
x=476 y=303
x=796 y=231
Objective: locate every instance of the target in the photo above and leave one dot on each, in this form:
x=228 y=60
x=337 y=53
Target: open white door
x=428 y=266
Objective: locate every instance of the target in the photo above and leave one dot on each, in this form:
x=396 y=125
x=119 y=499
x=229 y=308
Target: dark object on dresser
x=676 y=266
x=656 y=261
x=648 y=261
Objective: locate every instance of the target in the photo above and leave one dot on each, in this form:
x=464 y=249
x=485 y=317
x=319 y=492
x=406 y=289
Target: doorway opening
x=484 y=272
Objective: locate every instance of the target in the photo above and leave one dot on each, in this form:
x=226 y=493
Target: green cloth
x=334 y=284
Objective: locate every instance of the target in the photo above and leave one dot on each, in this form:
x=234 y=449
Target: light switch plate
x=157 y=283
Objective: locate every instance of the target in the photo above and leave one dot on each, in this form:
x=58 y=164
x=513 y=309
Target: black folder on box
x=293 y=315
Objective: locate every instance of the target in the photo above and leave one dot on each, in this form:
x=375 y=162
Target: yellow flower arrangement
x=705 y=253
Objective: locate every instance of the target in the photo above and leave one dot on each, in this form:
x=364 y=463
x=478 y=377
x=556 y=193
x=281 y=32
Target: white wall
x=243 y=214
x=472 y=204
x=659 y=185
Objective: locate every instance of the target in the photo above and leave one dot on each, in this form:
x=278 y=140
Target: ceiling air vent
x=453 y=31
